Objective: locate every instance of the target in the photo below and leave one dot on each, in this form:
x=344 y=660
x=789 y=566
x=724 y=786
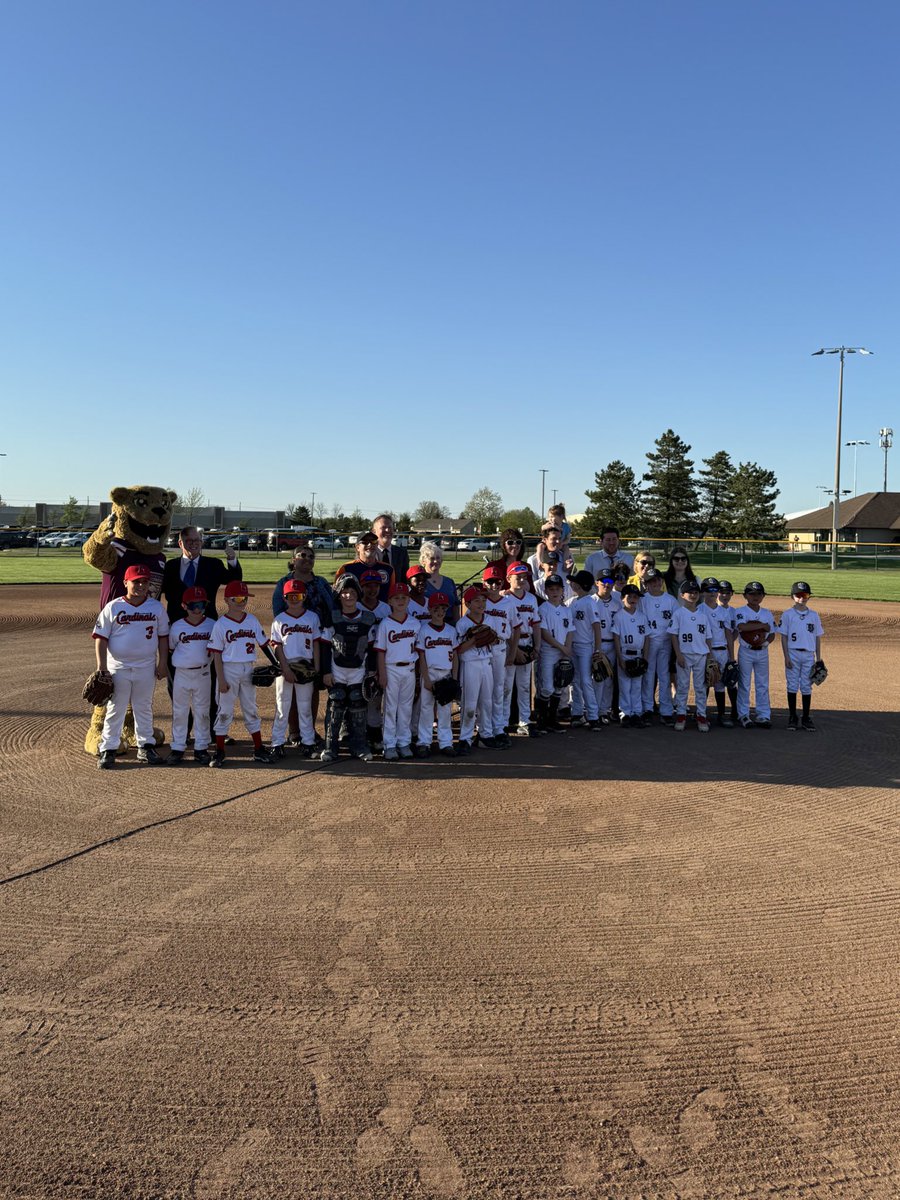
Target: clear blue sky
x=394 y=251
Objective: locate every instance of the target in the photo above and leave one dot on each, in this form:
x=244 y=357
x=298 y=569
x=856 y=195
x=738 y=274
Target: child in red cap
x=189 y=650
x=502 y=613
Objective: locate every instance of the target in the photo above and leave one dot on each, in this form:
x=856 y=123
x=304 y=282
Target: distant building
x=871 y=517
x=446 y=526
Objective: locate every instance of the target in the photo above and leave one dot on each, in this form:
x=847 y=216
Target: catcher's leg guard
x=356 y=716
x=334 y=717
x=553 y=714
x=540 y=712
x=732 y=697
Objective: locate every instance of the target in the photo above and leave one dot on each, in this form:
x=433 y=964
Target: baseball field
x=631 y=964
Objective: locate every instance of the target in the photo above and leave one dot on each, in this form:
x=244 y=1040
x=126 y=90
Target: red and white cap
x=194 y=595
x=137 y=571
x=438 y=599
x=237 y=587
x=413 y=571
x=518 y=568
x=471 y=592
x=494 y=571
x=294 y=587
x=398 y=589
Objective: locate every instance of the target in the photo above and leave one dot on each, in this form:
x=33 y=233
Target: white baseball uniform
x=236 y=642
x=436 y=647
x=189 y=646
x=693 y=633
x=297 y=636
x=132 y=633
x=519 y=677
x=753 y=665
x=584 y=693
x=504 y=617
x=631 y=631
x=477 y=682
x=722 y=622
x=396 y=640
x=374 y=714
x=420 y=611
x=800 y=627
x=658 y=612
x=558 y=621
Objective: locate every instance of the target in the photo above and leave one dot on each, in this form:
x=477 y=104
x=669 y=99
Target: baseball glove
x=713 y=673
x=303 y=669
x=371 y=688
x=446 y=690
x=754 y=633
x=528 y=655
x=98 y=688
x=819 y=671
x=601 y=668
x=483 y=635
x=563 y=674
x=730 y=674
x=264 y=675
x=636 y=666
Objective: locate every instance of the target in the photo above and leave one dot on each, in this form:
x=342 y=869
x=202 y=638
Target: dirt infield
x=628 y=964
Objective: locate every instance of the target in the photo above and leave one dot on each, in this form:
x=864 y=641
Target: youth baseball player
x=722 y=649
x=476 y=674
x=607 y=602
x=801 y=640
x=519 y=670
x=417 y=578
x=395 y=646
x=691 y=634
x=557 y=635
x=585 y=641
x=233 y=644
x=188 y=652
x=295 y=636
x=631 y=636
x=726 y=594
x=436 y=644
x=502 y=613
x=657 y=606
x=753 y=662
x=344 y=649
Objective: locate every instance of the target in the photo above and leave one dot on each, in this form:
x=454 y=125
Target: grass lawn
x=848 y=582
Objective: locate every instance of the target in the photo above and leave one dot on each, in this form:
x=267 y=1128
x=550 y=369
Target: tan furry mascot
x=134 y=532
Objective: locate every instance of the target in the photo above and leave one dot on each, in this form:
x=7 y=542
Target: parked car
x=476 y=545
x=16 y=539
x=71 y=540
x=241 y=541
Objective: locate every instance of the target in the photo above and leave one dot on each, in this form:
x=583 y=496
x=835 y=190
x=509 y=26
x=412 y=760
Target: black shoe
x=106 y=760
x=262 y=755
x=809 y=725
x=277 y=753
x=307 y=751
x=175 y=759
x=645 y=720
x=202 y=757
x=595 y=725
x=146 y=754
x=489 y=743
x=423 y=752
x=448 y=752
x=565 y=714
x=463 y=749
x=765 y=723
x=793 y=725
x=229 y=741
x=218 y=759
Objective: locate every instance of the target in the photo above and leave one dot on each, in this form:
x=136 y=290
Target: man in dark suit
x=191 y=569
x=396 y=556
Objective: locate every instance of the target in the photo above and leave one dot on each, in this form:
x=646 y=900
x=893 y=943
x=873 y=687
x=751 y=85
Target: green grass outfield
x=851 y=582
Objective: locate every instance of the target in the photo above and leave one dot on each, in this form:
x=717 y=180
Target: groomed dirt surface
x=627 y=964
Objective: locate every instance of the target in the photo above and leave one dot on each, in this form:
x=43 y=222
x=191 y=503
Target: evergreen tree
x=670 y=500
x=402 y=522
x=714 y=485
x=72 y=513
x=615 y=500
x=296 y=514
x=754 y=491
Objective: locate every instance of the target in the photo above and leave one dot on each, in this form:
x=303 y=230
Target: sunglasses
x=197 y=606
x=304 y=556
x=679 y=558
x=513 y=542
x=238 y=599
x=646 y=562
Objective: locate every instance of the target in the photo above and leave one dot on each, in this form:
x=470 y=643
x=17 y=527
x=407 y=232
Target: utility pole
x=885 y=441
x=543 y=471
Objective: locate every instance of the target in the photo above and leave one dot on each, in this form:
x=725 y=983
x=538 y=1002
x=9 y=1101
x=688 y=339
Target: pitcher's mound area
x=626 y=964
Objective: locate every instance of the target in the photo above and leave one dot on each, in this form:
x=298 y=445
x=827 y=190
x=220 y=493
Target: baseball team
x=531 y=647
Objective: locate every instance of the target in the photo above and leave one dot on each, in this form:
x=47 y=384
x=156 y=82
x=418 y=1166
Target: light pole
x=885 y=441
x=856 y=444
x=543 y=471
x=836 y=498
x=312 y=510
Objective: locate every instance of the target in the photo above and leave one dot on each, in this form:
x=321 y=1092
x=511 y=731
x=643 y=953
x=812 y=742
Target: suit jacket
x=212 y=573
x=399 y=560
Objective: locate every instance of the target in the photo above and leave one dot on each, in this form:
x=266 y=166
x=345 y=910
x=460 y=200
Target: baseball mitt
x=754 y=633
x=601 y=668
x=713 y=673
x=563 y=673
x=528 y=655
x=446 y=690
x=819 y=671
x=483 y=635
x=264 y=676
x=303 y=669
x=371 y=688
x=731 y=675
x=98 y=688
x=635 y=666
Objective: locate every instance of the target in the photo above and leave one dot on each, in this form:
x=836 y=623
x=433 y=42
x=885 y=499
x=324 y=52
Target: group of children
x=379 y=662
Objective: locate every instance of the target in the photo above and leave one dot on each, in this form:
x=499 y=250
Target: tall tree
x=356 y=522
x=71 y=513
x=188 y=502
x=485 y=507
x=431 y=510
x=296 y=514
x=402 y=522
x=754 y=491
x=670 y=500
x=714 y=487
x=615 y=499
x=525 y=519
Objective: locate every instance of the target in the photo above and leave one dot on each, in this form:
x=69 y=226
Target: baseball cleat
x=595 y=726
x=448 y=752
x=793 y=725
x=365 y=756
x=464 y=749
x=307 y=751
x=646 y=720
x=809 y=725
x=667 y=719
x=764 y=723
x=680 y=722
x=523 y=729
x=423 y=752
x=405 y=751
x=327 y=756
x=146 y=754
x=202 y=757
x=262 y=755
x=106 y=760
x=218 y=759
x=175 y=759
x=391 y=755
x=579 y=722
x=277 y=753
x=746 y=722
x=725 y=722
x=702 y=725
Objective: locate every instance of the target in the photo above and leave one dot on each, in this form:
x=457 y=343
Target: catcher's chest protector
x=350 y=639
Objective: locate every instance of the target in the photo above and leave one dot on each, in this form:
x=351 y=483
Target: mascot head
x=143 y=516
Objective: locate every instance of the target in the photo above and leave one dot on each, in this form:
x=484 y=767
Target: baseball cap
x=801 y=587
x=725 y=585
x=493 y=573
x=237 y=587
x=709 y=584
x=295 y=587
x=371 y=577
x=607 y=577
x=689 y=585
x=630 y=589
x=518 y=568
x=366 y=537
x=194 y=595
x=584 y=579
x=137 y=571
x=554 y=581
x=418 y=569
x=754 y=588
x=471 y=592
x=347 y=581
x=652 y=573
x=396 y=589
x=438 y=599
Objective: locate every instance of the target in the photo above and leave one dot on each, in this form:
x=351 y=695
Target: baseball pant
x=753 y=665
x=630 y=693
x=374 y=716
x=547 y=660
x=720 y=655
x=694 y=668
x=284 y=694
x=134 y=686
x=658 y=654
x=518 y=678
x=477 y=698
x=237 y=676
x=604 y=689
x=584 y=702
x=190 y=693
x=428 y=709
x=799 y=673
x=500 y=700
x=398 y=702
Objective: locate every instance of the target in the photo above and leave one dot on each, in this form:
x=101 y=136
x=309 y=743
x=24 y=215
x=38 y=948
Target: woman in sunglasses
x=678 y=570
x=512 y=548
x=642 y=564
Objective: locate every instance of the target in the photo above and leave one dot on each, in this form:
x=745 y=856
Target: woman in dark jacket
x=678 y=570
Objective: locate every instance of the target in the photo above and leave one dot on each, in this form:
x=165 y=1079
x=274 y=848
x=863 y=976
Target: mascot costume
x=134 y=532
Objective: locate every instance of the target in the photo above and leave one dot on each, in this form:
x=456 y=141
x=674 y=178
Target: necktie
x=386 y=554
x=190 y=574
